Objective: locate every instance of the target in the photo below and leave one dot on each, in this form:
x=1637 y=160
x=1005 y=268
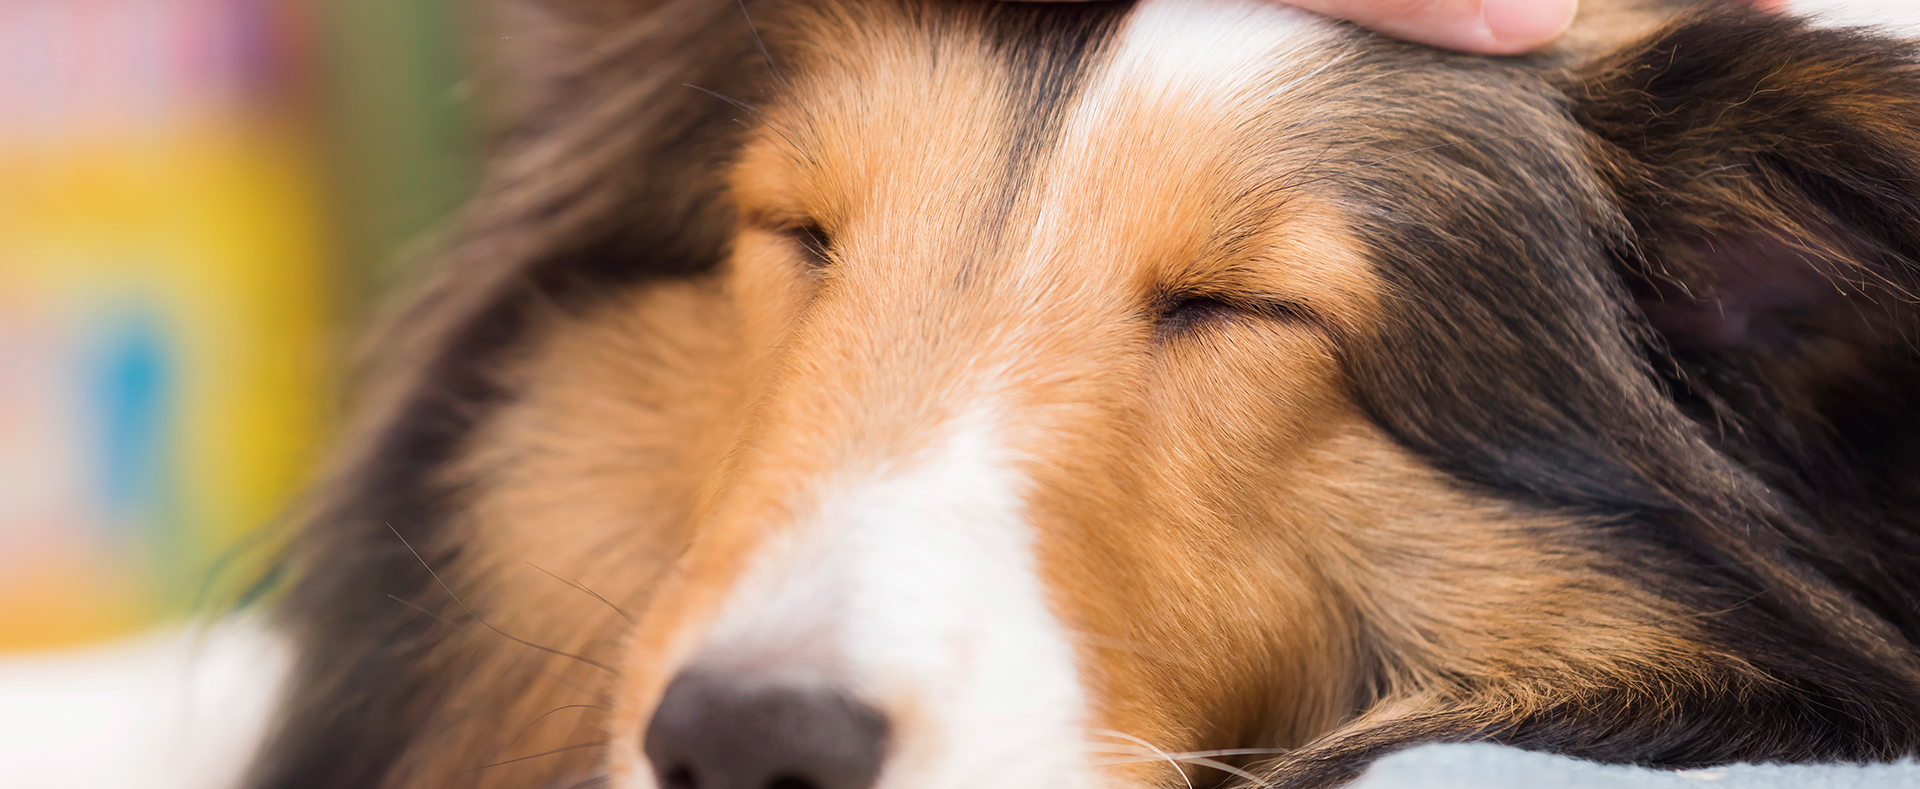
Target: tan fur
x=1349 y=580
x=1195 y=596
x=581 y=490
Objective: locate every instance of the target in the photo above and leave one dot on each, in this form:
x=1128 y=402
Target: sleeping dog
x=941 y=394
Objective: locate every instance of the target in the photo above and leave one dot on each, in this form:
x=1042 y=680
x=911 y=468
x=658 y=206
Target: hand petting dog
x=1486 y=27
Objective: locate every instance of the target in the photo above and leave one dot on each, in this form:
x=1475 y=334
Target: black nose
x=723 y=731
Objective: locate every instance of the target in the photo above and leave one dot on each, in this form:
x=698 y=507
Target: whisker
x=1177 y=766
x=631 y=620
x=543 y=716
x=463 y=629
x=477 y=618
x=1226 y=768
x=758 y=113
x=1231 y=752
x=754 y=30
x=598 y=780
x=738 y=104
x=537 y=755
x=1198 y=761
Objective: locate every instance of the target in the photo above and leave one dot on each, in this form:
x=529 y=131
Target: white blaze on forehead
x=1180 y=62
x=1211 y=51
x=914 y=582
x=916 y=586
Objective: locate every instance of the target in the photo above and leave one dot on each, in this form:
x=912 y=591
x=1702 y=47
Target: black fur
x=539 y=235
x=1745 y=481
x=1555 y=232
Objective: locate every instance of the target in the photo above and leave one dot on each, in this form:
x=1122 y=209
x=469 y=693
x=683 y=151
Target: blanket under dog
x=1480 y=766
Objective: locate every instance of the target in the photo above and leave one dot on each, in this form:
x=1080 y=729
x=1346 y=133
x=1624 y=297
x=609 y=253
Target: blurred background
x=198 y=198
x=200 y=203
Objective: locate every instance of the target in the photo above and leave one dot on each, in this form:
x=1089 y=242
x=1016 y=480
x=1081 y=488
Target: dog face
x=997 y=481
x=994 y=482
x=1063 y=396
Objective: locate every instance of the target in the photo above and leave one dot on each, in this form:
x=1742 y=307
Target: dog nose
x=717 y=730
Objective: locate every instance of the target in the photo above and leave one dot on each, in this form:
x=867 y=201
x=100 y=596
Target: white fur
x=1208 y=50
x=1224 y=60
x=1903 y=16
x=916 y=587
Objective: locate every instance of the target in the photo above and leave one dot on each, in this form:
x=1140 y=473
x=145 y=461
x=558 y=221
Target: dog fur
x=1342 y=394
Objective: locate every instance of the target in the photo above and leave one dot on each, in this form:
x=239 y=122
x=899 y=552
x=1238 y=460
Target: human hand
x=1488 y=27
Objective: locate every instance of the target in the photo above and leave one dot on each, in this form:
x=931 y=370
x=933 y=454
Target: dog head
x=1100 y=395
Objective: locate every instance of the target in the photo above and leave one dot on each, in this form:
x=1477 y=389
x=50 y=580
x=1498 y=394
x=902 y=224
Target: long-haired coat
x=947 y=394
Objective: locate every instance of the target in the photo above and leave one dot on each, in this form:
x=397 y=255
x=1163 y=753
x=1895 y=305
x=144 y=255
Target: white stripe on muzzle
x=915 y=587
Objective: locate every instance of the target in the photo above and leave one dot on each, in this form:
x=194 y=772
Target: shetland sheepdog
x=950 y=394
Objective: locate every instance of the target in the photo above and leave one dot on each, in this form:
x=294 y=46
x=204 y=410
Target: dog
x=871 y=394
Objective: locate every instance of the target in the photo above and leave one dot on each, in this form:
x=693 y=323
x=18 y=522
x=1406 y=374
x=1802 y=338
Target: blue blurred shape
x=133 y=383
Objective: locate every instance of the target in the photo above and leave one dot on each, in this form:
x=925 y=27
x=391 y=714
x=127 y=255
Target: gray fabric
x=1496 y=767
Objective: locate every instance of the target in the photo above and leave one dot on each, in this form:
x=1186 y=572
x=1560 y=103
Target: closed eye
x=1181 y=313
x=815 y=246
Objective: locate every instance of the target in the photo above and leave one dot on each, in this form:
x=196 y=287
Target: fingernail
x=1527 y=24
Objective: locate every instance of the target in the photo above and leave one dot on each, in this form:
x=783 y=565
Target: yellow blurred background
x=198 y=199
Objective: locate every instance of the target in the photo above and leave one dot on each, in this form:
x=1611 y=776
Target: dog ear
x=1769 y=175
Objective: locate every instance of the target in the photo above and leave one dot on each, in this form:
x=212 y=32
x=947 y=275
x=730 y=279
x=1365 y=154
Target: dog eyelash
x=815 y=245
x=1183 y=313
x=1180 y=312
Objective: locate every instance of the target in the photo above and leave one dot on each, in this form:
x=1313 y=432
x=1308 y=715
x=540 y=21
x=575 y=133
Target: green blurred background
x=200 y=203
